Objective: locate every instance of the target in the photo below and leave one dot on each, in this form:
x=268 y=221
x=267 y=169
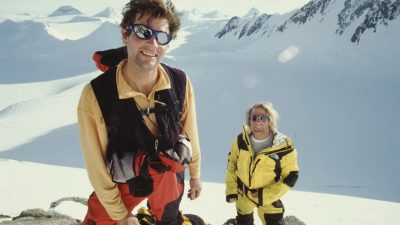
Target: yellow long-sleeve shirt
x=93 y=136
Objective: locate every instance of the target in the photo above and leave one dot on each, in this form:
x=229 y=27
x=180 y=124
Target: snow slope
x=50 y=183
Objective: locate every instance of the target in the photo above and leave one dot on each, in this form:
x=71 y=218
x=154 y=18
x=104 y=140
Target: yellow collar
x=126 y=91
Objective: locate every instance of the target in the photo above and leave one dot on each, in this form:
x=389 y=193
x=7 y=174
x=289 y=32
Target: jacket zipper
x=251 y=171
x=251 y=163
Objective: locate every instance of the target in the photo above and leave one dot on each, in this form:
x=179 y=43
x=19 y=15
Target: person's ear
x=124 y=35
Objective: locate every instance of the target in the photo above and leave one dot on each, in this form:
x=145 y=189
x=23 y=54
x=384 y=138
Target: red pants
x=164 y=200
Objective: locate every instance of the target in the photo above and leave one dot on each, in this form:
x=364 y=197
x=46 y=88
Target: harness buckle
x=156 y=145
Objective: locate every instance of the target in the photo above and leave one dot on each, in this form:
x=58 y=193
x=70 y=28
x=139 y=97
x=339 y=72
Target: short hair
x=269 y=110
x=156 y=8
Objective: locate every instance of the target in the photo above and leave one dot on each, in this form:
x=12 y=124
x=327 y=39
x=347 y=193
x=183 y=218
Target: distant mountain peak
x=65 y=10
x=307 y=12
x=251 y=25
x=107 y=12
x=252 y=12
x=232 y=24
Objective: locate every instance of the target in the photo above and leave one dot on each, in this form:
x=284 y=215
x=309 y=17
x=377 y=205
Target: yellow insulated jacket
x=263 y=177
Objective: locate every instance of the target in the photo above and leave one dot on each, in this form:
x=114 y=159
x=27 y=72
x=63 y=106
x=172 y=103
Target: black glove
x=181 y=152
x=231 y=198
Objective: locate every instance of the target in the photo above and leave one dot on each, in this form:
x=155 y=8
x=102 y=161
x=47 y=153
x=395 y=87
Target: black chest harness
x=127 y=131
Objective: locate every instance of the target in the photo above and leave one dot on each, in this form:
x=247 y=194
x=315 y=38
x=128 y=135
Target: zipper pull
x=156 y=145
x=148 y=108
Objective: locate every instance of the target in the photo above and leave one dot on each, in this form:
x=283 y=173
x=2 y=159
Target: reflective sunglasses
x=262 y=118
x=145 y=33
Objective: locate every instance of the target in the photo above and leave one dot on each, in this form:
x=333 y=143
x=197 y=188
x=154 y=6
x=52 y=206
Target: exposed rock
x=261 y=20
x=306 y=13
x=371 y=13
x=292 y=220
x=47 y=221
x=232 y=24
x=74 y=199
x=41 y=217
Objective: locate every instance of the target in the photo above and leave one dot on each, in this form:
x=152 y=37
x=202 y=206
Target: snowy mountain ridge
x=365 y=15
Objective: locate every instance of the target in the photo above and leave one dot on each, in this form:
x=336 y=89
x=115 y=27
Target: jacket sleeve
x=93 y=137
x=231 y=177
x=290 y=171
x=189 y=121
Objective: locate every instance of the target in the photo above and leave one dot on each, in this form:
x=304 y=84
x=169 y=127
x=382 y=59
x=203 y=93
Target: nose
x=152 y=40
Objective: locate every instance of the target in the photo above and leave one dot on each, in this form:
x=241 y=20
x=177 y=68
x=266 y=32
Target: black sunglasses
x=262 y=118
x=145 y=33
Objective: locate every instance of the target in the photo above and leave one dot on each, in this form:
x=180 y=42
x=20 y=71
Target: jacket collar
x=280 y=141
x=126 y=91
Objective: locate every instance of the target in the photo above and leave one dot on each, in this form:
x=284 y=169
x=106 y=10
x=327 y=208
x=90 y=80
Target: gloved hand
x=181 y=152
x=231 y=198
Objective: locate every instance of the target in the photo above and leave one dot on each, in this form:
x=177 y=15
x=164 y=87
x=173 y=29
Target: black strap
x=172 y=92
x=105 y=90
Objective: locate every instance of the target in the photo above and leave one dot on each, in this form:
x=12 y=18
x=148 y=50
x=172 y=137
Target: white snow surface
x=34 y=185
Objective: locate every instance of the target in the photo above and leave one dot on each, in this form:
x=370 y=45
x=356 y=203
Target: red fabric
x=167 y=189
x=97 y=214
x=172 y=164
x=97 y=59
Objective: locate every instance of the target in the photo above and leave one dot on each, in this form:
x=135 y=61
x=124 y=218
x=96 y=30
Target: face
x=259 y=128
x=146 y=54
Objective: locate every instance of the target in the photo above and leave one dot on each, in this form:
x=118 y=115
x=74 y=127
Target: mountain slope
x=358 y=15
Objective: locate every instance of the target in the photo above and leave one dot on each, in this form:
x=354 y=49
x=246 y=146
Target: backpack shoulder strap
x=105 y=90
x=177 y=90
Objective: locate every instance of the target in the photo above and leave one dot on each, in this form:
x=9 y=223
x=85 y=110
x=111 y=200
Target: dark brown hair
x=156 y=8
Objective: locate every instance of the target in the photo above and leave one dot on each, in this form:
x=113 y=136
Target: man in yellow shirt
x=135 y=144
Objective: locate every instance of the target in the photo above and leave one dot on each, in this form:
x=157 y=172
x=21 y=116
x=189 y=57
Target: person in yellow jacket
x=262 y=167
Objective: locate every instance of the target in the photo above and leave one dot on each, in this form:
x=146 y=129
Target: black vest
x=126 y=128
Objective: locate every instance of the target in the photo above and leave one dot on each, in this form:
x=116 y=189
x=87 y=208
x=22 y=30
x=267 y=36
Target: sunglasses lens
x=145 y=33
x=142 y=32
x=163 y=38
x=261 y=118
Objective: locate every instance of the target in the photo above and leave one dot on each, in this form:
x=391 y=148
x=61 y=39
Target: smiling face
x=146 y=54
x=259 y=128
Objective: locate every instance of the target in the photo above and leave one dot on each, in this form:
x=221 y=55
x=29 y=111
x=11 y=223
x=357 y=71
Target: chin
x=149 y=65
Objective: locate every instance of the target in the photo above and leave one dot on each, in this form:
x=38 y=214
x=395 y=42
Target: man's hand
x=181 y=152
x=129 y=220
x=195 y=188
